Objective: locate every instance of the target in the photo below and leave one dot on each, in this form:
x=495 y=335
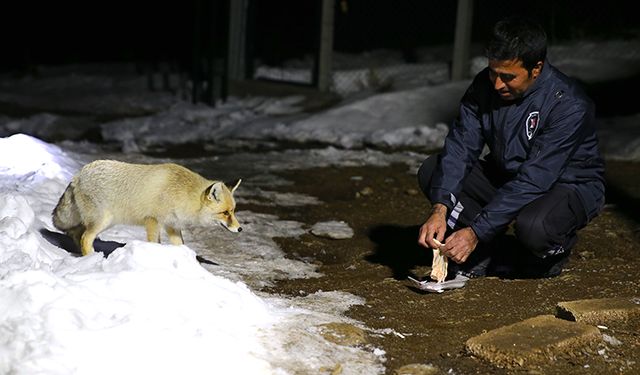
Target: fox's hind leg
x=153 y=229
x=175 y=235
x=91 y=232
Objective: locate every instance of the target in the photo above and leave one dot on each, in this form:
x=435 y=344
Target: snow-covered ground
x=150 y=308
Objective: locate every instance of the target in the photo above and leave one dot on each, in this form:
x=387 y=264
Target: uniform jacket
x=546 y=137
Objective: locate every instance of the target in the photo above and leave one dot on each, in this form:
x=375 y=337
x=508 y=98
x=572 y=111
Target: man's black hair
x=519 y=38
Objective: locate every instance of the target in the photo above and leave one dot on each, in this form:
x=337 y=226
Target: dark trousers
x=545 y=230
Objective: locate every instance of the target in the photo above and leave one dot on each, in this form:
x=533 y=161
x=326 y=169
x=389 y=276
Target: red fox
x=108 y=192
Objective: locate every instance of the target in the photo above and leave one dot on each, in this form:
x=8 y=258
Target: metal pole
x=462 y=41
x=325 y=50
x=237 y=39
x=195 y=68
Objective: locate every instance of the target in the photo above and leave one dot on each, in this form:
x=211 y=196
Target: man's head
x=516 y=51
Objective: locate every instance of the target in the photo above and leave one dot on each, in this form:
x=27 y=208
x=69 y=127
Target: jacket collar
x=539 y=82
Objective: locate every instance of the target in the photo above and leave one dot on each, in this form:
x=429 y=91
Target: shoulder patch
x=531 y=125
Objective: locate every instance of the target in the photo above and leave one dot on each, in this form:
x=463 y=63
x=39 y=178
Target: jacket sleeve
x=462 y=147
x=550 y=153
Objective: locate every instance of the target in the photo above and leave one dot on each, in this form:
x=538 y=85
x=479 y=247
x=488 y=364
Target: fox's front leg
x=76 y=234
x=175 y=235
x=153 y=230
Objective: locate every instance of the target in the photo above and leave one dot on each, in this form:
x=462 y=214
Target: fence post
x=325 y=50
x=462 y=40
x=237 y=39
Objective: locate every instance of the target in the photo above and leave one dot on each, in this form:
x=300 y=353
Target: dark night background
x=59 y=32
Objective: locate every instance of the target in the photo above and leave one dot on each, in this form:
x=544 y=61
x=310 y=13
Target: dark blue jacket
x=546 y=137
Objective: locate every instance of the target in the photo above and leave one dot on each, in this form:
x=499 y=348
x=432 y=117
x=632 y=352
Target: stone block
x=610 y=312
x=533 y=342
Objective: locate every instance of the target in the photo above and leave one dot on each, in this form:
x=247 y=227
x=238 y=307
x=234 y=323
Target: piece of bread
x=439 y=265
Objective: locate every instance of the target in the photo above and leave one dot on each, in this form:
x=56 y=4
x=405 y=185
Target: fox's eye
x=226 y=213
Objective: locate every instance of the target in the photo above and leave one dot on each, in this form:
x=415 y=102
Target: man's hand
x=460 y=244
x=434 y=227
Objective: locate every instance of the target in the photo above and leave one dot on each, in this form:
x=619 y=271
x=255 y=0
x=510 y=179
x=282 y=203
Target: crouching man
x=543 y=172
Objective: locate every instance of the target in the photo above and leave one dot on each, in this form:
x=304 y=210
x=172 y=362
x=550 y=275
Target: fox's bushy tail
x=66 y=215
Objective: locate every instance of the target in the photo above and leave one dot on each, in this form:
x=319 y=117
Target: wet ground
x=385 y=209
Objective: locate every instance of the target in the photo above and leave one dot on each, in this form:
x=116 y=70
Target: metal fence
x=384 y=45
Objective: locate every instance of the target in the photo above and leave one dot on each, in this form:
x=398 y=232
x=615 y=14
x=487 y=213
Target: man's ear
x=535 y=72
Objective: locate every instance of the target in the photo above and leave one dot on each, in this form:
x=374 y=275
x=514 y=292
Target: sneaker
x=468 y=274
x=471 y=271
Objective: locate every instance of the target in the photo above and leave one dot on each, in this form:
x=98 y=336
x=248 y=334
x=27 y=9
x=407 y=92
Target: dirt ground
x=385 y=209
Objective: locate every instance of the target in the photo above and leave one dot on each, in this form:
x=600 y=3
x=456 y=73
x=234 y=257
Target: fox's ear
x=213 y=191
x=235 y=187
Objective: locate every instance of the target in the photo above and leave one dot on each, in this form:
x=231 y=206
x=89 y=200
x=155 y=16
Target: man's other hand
x=460 y=244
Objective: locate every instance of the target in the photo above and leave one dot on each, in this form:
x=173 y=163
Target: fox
x=105 y=193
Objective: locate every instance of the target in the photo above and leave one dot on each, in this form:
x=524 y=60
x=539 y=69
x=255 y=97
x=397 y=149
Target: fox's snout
x=232 y=228
x=230 y=223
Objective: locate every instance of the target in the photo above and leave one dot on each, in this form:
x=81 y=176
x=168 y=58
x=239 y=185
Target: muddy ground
x=385 y=209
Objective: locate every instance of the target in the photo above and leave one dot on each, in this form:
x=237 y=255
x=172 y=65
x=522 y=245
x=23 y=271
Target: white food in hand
x=439 y=265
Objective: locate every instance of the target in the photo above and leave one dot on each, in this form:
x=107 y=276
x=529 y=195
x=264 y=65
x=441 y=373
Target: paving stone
x=533 y=341
x=610 y=312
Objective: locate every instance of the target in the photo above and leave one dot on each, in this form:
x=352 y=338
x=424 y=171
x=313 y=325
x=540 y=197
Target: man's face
x=510 y=79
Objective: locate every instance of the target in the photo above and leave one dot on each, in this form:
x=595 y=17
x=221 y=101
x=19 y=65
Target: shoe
x=468 y=270
x=528 y=266
x=468 y=274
